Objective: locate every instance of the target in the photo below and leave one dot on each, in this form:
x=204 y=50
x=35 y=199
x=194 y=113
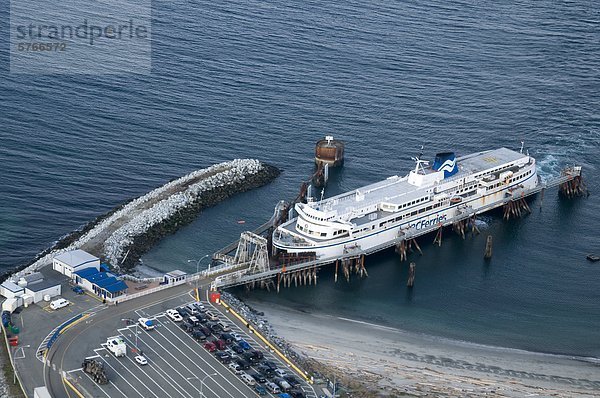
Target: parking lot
x=177 y=364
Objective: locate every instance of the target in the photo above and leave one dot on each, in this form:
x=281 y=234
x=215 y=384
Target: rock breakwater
x=126 y=232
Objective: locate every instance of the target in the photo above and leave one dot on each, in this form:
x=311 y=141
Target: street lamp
x=198 y=267
x=202 y=382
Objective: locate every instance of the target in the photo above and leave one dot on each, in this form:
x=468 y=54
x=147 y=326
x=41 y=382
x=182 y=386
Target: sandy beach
x=396 y=363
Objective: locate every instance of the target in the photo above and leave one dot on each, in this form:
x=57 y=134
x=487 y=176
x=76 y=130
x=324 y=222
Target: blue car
x=78 y=289
x=244 y=345
x=260 y=390
x=284 y=395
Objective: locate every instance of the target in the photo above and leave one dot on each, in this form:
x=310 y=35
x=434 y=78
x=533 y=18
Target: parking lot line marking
x=98 y=385
x=124 y=379
x=160 y=371
x=163 y=370
x=182 y=364
x=74 y=370
x=198 y=355
x=135 y=376
x=147 y=375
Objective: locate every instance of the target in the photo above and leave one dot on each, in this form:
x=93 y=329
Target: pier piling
x=438 y=236
x=411 y=275
x=488 y=248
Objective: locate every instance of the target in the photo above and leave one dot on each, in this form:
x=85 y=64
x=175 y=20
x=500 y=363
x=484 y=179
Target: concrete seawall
x=125 y=233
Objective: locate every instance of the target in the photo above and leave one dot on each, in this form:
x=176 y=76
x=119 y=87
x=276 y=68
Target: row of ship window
x=414 y=213
x=510 y=180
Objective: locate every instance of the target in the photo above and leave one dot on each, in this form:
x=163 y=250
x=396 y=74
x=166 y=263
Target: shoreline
x=392 y=362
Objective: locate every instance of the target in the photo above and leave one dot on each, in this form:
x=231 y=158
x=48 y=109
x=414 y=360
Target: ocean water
x=266 y=80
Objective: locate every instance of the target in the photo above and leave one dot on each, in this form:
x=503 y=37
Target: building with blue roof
x=101 y=283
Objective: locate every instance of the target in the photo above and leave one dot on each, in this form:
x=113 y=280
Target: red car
x=210 y=346
x=221 y=345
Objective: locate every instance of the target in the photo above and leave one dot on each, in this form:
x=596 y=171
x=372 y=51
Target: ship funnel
x=446 y=162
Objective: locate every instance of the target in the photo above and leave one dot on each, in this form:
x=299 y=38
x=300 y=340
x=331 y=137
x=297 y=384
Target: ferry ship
x=373 y=217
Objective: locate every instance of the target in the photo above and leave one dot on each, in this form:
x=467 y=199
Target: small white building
x=174 y=276
x=72 y=261
x=10 y=289
x=40 y=289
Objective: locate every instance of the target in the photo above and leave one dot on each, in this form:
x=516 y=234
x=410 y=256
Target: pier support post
x=438 y=236
x=488 y=248
x=417 y=246
x=337 y=262
x=411 y=275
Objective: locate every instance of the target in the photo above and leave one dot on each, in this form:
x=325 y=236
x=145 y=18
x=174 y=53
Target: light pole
x=202 y=382
x=198 y=267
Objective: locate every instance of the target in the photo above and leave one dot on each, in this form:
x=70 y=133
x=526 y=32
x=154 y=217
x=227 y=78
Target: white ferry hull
x=380 y=238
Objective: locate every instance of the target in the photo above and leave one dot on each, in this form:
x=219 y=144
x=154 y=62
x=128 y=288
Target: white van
x=247 y=378
x=223 y=326
x=60 y=303
x=211 y=316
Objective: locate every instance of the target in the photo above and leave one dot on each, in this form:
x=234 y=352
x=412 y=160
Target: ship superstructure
x=429 y=195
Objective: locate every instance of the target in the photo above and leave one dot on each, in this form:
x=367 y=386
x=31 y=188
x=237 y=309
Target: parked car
x=243 y=364
x=224 y=327
x=174 y=316
x=247 y=378
x=258 y=377
x=273 y=388
x=220 y=344
x=235 y=367
x=191 y=310
x=297 y=393
x=140 y=359
x=271 y=365
x=292 y=380
x=250 y=357
x=60 y=303
x=236 y=336
x=244 y=345
x=226 y=337
x=284 y=385
x=77 y=289
x=284 y=395
x=211 y=316
x=210 y=346
x=200 y=307
x=146 y=323
x=260 y=390
x=265 y=370
x=201 y=318
x=186 y=326
x=258 y=353
x=214 y=327
x=237 y=349
x=182 y=311
x=223 y=357
x=198 y=335
x=280 y=372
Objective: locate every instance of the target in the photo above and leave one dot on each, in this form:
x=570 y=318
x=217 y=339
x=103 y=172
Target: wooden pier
x=305 y=272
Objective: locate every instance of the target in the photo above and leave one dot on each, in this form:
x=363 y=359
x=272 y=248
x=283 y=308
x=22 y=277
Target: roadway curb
x=11 y=360
x=72 y=387
x=267 y=342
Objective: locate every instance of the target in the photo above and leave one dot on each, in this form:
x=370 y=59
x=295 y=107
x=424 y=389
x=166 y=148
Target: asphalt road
x=178 y=366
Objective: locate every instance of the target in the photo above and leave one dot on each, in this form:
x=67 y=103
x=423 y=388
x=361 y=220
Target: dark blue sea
x=267 y=79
